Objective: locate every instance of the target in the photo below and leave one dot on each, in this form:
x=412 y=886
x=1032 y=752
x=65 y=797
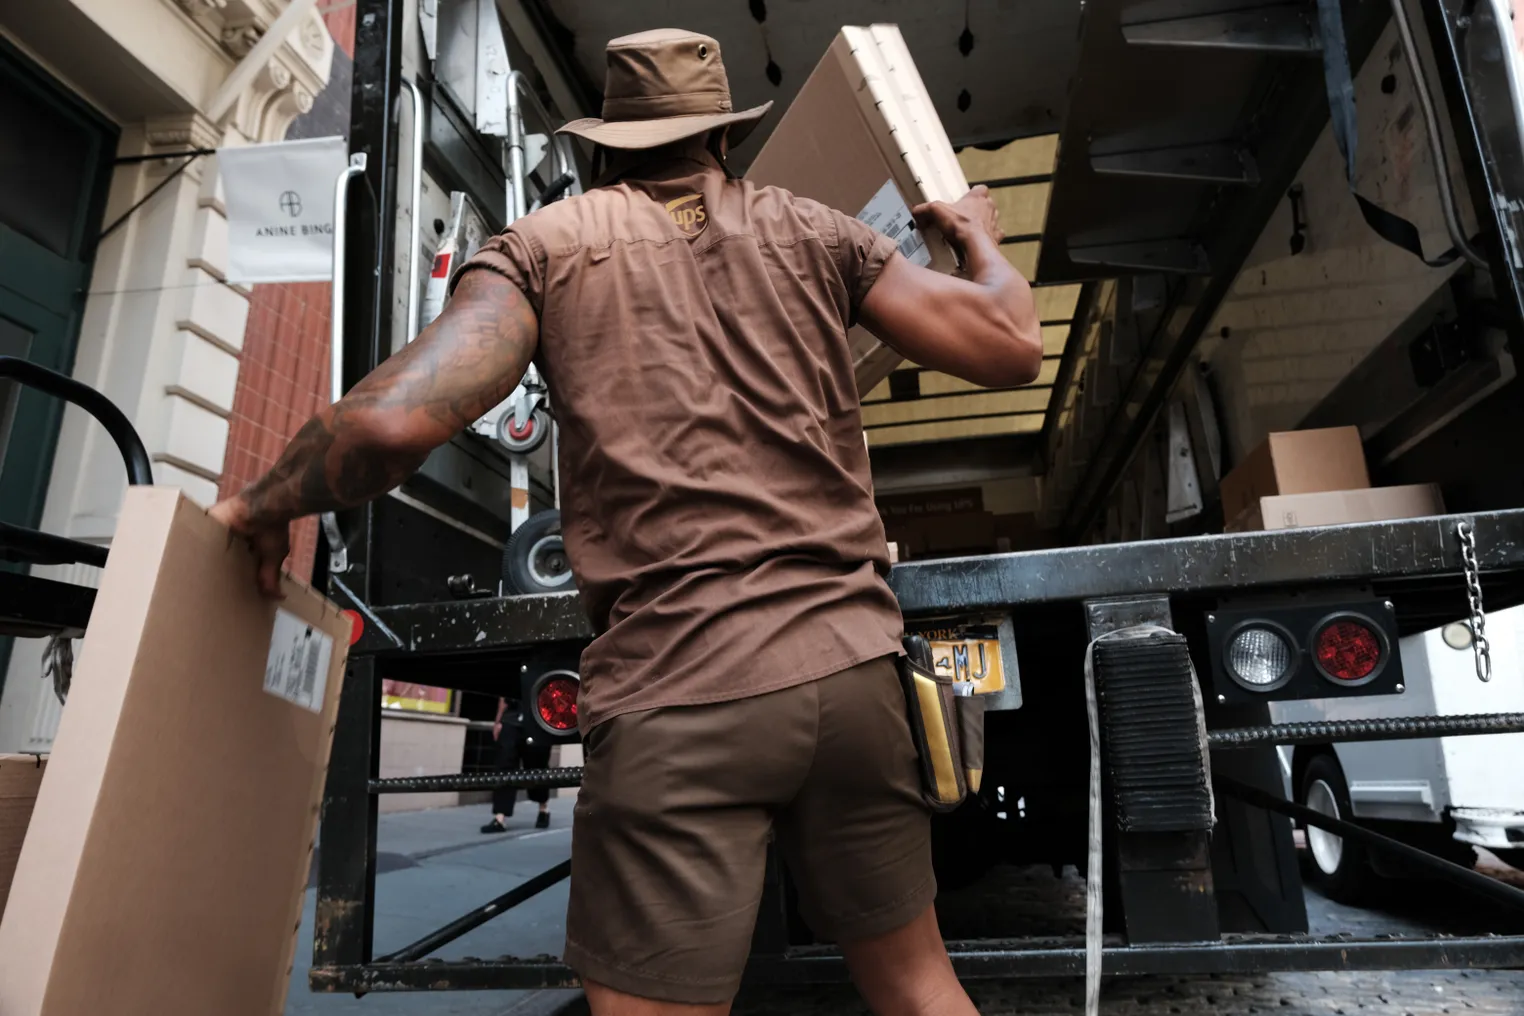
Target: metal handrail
x=415 y=231
x=338 y=556
x=518 y=88
x=336 y=299
x=61 y=386
x=1436 y=141
x=18 y=543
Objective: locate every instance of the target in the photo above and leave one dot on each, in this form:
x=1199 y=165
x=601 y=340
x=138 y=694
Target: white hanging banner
x=279 y=199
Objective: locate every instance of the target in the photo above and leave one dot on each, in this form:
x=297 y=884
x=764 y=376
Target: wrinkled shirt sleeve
x=861 y=253
x=517 y=255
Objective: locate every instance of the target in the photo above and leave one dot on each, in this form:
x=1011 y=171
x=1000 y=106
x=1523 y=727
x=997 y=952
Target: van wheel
x=534 y=559
x=1340 y=868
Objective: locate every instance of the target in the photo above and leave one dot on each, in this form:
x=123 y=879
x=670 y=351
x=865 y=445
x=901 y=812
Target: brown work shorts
x=672 y=823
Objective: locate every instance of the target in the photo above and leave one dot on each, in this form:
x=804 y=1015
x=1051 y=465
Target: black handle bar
x=29 y=545
x=139 y=471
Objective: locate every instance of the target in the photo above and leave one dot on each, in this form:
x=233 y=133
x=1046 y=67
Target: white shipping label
x=888 y=213
x=297 y=668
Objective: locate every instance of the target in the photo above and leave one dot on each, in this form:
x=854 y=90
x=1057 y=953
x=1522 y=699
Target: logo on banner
x=291 y=203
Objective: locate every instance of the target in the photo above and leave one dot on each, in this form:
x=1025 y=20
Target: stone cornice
x=288 y=84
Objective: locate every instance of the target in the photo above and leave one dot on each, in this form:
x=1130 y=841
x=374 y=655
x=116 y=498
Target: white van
x=1448 y=794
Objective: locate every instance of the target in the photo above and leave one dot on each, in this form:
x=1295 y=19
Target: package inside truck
x=1258 y=505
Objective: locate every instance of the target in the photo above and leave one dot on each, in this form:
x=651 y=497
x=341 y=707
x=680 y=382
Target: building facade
x=113 y=251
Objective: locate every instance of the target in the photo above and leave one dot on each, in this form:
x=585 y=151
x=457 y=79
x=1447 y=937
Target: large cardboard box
x=1296 y=462
x=1342 y=507
x=166 y=861
x=862 y=137
x=20 y=778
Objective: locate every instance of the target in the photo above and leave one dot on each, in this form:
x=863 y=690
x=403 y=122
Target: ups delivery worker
x=719 y=520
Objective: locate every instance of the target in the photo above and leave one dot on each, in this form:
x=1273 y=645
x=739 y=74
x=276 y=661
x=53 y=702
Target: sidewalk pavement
x=433 y=866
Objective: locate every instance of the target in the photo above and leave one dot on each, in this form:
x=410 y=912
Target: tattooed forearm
x=362 y=446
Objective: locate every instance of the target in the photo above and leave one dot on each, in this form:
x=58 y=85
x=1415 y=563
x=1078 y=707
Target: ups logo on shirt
x=688 y=214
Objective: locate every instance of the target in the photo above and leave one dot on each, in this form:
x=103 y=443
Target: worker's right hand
x=960 y=222
x=271 y=545
x=497 y=731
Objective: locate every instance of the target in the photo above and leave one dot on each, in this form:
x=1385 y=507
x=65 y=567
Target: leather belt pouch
x=931 y=702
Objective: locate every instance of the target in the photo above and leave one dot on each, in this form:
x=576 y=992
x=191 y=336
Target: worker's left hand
x=271 y=545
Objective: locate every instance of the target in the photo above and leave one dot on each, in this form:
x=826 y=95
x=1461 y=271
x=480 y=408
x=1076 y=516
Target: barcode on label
x=309 y=672
x=888 y=213
x=297 y=666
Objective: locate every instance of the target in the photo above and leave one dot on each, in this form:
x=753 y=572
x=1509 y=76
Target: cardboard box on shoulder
x=862 y=137
x=167 y=858
x=1296 y=462
x=1342 y=507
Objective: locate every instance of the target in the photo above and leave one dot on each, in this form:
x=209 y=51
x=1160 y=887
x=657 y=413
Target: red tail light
x=557 y=703
x=1348 y=650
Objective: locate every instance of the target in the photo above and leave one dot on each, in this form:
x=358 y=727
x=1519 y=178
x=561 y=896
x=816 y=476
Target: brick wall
x=282 y=381
x=283 y=368
x=340 y=17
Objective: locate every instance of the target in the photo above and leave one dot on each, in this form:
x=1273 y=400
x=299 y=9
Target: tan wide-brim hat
x=664 y=86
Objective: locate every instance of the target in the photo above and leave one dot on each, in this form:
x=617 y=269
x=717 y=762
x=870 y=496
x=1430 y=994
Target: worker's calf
x=906 y=972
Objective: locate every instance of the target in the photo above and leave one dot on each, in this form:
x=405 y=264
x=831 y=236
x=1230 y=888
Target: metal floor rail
x=987 y=959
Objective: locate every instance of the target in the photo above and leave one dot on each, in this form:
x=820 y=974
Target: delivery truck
x=1243 y=220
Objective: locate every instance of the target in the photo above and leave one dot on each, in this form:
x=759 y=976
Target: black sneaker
x=495 y=826
x=542 y=821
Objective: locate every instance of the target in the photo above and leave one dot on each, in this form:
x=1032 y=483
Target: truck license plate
x=967 y=652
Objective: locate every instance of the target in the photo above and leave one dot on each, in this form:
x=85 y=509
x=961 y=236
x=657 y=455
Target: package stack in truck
x=165 y=863
x=1304 y=478
x=862 y=136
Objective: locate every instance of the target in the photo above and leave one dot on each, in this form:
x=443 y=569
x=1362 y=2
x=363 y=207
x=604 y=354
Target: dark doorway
x=55 y=166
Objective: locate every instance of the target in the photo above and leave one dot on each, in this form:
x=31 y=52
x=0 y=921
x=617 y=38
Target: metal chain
x=1479 y=645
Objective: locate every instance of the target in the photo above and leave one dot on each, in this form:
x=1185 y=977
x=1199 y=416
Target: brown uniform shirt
x=717 y=505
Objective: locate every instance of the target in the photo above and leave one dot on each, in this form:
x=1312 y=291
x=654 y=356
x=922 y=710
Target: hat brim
x=637 y=134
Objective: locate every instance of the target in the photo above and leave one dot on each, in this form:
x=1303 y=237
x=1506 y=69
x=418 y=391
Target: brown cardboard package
x=1342 y=507
x=1296 y=462
x=862 y=137
x=20 y=776
x=164 y=868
